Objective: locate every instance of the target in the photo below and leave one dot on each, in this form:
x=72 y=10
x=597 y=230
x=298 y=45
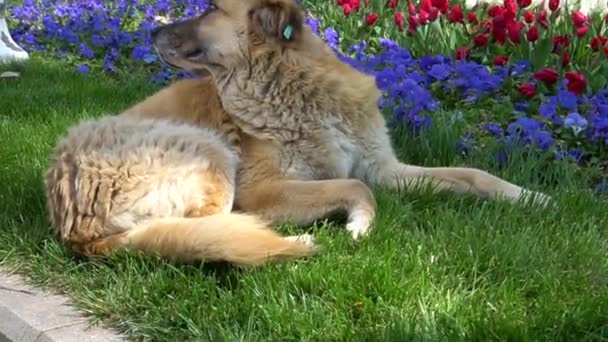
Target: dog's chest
x=327 y=153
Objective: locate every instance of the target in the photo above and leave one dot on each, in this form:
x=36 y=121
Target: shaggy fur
x=311 y=134
x=160 y=187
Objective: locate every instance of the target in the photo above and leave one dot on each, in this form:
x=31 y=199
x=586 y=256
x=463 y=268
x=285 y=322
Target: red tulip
x=500 y=60
x=547 y=75
x=578 y=18
x=529 y=16
x=472 y=17
x=462 y=53
x=510 y=9
x=411 y=8
x=399 y=20
x=355 y=5
x=347 y=9
x=582 y=31
x=541 y=19
x=456 y=15
x=527 y=89
x=412 y=23
x=371 y=19
x=524 y=3
x=598 y=42
x=480 y=40
x=532 y=34
x=433 y=14
x=426 y=5
x=423 y=17
x=496 y=10
x=442 y=5
x=514 y=31
x=560 y=42
x=576 y=82
x=553 y=5
x=565 y=58
x=392 y=4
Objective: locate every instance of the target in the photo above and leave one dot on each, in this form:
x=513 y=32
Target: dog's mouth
x=193 y=56
x=164 y=61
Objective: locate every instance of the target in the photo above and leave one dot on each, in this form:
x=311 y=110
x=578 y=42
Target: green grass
x=434 y=268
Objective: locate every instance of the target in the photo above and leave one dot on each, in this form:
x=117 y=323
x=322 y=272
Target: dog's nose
x=155 y=32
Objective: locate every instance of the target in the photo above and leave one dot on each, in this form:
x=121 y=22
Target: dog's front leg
x=303 y=202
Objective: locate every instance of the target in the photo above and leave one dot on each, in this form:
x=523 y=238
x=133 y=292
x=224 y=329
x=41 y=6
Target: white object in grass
x=9 y=50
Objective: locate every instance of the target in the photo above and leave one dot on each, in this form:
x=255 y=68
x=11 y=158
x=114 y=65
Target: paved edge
x=28 y=314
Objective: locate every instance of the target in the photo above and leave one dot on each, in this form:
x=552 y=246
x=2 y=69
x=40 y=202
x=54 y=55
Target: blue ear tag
x=288 y=32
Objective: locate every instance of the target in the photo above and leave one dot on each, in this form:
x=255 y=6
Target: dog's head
x=230 y=32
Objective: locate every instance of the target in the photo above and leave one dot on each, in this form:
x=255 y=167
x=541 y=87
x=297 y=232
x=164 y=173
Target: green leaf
x=541 y=53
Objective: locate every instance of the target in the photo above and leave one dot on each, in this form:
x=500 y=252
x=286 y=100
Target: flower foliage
x=513 y=75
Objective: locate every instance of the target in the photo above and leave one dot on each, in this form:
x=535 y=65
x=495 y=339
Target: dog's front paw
x=359 y=223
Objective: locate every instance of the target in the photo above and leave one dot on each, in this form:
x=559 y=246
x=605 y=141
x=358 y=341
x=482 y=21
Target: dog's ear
x=280 y=20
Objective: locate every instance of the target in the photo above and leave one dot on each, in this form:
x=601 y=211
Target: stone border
x=28 y=314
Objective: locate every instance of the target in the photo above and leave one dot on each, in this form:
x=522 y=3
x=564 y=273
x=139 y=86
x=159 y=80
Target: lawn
x=435 y=267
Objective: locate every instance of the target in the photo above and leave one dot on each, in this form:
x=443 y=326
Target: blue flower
x=83 y=69
x=86 y=52
x=567 y=100
x=494 y=128
x=314 y=24
x=144 y=53
x=388 y=44
x=576 y=122
x=440 y=72
x=331 y=37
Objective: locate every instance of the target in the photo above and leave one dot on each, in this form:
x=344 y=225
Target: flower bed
x=515 y=76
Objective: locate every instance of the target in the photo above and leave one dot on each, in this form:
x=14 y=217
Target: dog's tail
x=236 y=238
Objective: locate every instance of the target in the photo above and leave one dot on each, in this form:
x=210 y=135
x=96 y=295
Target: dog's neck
x=282 y=96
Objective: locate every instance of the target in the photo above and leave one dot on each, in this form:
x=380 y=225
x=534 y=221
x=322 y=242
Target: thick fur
x=156 y=186
x=312 y=136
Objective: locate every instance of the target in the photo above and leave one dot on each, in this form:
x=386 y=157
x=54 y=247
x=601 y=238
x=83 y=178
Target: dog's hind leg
x=455 y=179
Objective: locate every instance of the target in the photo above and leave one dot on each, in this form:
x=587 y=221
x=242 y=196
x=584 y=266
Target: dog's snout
x=155 y=32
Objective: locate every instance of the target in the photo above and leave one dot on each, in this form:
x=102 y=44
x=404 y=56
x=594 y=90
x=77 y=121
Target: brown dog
x=312 y=134
x=285 y=133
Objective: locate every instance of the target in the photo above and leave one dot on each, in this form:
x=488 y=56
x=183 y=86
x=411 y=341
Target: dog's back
x=157 y=186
